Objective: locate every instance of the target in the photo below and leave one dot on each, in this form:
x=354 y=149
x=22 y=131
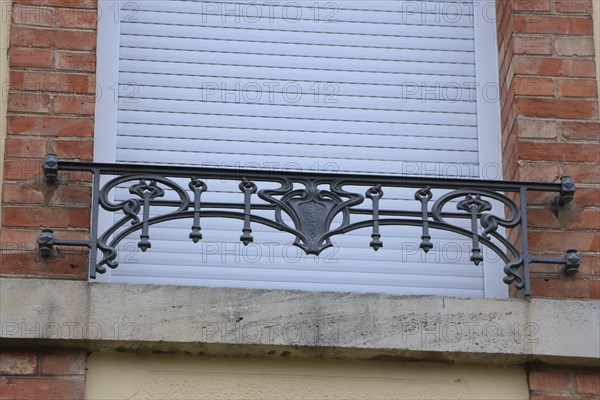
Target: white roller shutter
x=386 y=87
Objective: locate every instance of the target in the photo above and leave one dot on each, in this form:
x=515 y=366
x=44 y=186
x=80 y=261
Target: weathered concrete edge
x=281 y=323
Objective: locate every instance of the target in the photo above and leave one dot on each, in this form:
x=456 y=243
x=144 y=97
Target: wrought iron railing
x=311 y=201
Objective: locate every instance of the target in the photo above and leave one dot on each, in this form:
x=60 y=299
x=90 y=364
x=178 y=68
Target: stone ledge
x=226 y=321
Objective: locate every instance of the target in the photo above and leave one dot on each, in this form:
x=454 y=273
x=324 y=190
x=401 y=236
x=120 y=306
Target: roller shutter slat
x=401 y=11
x=317 y=63
x=297 y=98
x=264 y=22
x=364 y=140
x=129 y=44
x=404 y=104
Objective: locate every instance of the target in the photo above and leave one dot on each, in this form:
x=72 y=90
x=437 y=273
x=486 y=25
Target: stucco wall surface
x=127 y=376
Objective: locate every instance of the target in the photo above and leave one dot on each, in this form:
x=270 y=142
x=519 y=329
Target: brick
x=554 y=67
x=18 y=363
x=39 y=192
x=536 y=396
x=12 y=193
x=581 y=130
x=505 y=63
x=22 y=169
x=73 y=195
x=75 y=149
x=32 y=15
x=50 y=126
x=71 y=104
x=567 y=152
x=550 y=381
x=62 y=264
x=64 y=363
x=28 y=102
x=52 y=38
x=535 y=128
x=508 y=115
x=577 y=219
x=557 y=108
x=542 y=218
x=595 y=295
x=509 y=165
x=44 y=217
x=531 y=5
x=30 y=58
x=504 y=10
x=574 y=46
x=552 y=25
x=508 y=152
x=93 y=4
x=533 y=86
x=532 y=45
x=583 y=174
x=76 y=18
x=42 y=389
x=24 y=147
x=577 y=88
x=561 y=241
x=537 y=172
x=560 y=287
x=573 y=6
x=70 y=61
x=38 y=148
x=55 y=82
x=588 y=383
x=587 y=197
x=590 y=265
x=25 y=238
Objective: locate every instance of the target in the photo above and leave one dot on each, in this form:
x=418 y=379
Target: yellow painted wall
x=128 y=376
x=5 y=17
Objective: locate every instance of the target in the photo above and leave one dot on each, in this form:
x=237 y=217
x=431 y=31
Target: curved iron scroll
x=311 y=207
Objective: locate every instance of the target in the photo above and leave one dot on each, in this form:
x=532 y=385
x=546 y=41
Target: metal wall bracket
x=572 y=262
x=46 y=242
x=312 y=202
x=51 y=168
x=567 y=190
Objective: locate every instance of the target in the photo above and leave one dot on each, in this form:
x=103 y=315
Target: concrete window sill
x=281 y=323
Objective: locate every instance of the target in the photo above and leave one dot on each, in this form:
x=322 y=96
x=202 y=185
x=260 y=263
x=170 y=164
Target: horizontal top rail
x=276 y=175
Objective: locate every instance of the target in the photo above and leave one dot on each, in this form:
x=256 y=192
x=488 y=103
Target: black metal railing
x=311 y=201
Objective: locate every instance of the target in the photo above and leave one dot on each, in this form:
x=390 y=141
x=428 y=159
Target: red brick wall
x=563 y=384
x=550 y=128
x=50 y=108
x=46 y=374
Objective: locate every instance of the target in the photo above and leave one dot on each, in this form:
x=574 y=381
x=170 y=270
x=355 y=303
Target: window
x=379 y=87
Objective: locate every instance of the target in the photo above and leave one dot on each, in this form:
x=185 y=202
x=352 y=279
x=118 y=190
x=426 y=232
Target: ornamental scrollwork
x=312 y=208
x=312 y=211
x=146 y=189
